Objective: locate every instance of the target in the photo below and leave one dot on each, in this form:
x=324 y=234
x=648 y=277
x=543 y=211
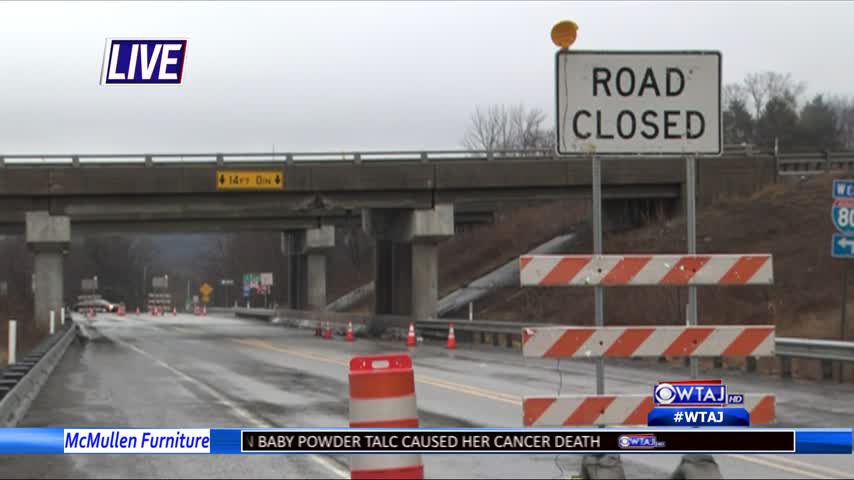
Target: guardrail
x=286 y=158
x=813 y=163
x=508 y=334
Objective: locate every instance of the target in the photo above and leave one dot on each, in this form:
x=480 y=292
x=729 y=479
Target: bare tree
x=843 y=109
x=498 y=128
x=761 y=87
x=733 y=92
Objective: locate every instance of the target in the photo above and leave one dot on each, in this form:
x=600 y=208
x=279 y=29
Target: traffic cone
x=204 y=310
x=452 y=340
x=410 y=339
x=318 y=332
x=349 y=331
x=328 y=334
x=137 y=310
x=174 y=311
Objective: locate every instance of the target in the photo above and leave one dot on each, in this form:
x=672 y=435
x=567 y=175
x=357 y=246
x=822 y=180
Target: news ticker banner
x=422 y=440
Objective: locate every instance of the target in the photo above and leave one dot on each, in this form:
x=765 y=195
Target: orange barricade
x=382 y=395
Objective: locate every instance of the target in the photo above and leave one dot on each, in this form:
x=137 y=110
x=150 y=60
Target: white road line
x=235 y=409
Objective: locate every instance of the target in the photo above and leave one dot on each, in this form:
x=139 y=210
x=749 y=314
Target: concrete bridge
x=409 y=201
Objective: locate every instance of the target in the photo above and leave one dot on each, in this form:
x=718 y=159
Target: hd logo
x=145 y=61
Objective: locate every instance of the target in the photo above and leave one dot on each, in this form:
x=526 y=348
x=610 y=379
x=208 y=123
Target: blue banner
x=14 y=441
x=698 y=417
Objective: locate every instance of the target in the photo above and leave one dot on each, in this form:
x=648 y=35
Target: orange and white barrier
x=588 y=410
x=382 y=395
x=616 y=270
x=667 y=341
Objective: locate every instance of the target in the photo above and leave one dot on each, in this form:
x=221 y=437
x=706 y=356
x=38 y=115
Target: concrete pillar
x=316 y=277
x=425 y=279
x=406 y=265
x=392 y=274
x=49 y=238
x=306 y=252
x=293 y=247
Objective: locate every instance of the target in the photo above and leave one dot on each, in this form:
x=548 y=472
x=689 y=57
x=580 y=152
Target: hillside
x=790 y=221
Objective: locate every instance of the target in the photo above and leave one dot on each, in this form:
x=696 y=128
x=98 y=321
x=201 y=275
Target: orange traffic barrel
x=382 y=395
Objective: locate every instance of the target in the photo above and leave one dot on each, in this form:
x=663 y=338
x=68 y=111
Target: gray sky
x=358 y=76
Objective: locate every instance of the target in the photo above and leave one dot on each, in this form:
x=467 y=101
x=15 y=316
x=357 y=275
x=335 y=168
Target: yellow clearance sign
x=249 y=180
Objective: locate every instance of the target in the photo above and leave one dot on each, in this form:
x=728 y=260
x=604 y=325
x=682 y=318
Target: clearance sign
x=638 y=102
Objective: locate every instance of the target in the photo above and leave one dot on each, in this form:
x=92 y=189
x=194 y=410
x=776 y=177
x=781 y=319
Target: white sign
x=267 y=279
x=638 y=102
x=226 y=282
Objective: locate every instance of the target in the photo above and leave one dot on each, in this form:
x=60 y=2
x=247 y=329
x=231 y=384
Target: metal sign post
x=598 y=292
x=691 y=207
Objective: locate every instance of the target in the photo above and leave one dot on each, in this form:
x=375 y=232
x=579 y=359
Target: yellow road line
x=503 y=397
x=467 y=389
x=761 y=461
x=817 y=468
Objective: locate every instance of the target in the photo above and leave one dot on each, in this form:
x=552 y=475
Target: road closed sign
x=661 y=103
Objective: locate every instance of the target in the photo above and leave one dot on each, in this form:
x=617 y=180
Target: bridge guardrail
x=219 y=158
x=813 y=163
x=509 y=333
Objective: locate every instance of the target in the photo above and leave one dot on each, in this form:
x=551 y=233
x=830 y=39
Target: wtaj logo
x=640 y=441
x=144 y=61
x=694 y=393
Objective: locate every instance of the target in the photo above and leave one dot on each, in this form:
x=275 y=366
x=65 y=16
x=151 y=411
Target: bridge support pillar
x=49 y=238
x=306 y=252
x=406 y=266
x=318 y=241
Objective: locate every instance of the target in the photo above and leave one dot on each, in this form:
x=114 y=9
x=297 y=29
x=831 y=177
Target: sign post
x=691 y=214
x=842 y=244
x=598 y=292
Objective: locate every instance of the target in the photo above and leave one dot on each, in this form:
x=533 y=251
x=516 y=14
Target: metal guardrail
x=785 y=347
x=817 y=349
x=414 y=156
x=795 y=164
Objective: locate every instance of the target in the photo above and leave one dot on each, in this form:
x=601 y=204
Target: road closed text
x=625 y=103
x=648 y=123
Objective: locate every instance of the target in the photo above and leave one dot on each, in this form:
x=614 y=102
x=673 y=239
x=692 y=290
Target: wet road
x=212 y=371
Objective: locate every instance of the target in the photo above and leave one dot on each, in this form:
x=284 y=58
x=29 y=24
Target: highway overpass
x=409 y=202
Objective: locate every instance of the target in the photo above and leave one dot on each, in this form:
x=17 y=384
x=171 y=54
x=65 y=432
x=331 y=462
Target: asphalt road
x=187 y=371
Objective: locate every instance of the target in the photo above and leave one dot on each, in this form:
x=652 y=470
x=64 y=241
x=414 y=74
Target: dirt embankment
x=790 y=221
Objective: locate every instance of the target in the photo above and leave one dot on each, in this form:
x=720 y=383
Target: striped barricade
x=382 y=395
x=625 y=410
x=665 y=341
x=627 y=270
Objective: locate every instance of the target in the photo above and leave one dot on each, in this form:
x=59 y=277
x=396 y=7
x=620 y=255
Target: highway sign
x=249 y=180
x=205 y=290
x=160 y=282
x=638 y=102
x=843 y=189
x=842 y=214
x=266 y=279
x=843 y=246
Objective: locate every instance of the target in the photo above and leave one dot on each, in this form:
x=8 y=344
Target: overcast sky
x=358 y=76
